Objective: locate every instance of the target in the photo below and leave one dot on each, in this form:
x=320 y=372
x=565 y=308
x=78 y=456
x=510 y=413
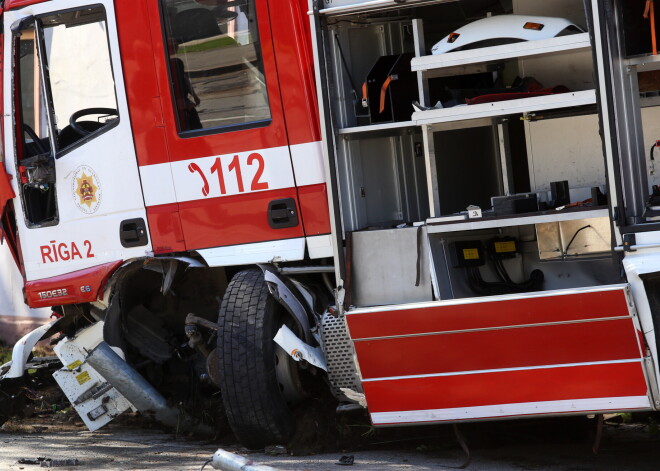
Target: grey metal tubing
x=306 y=270
x=139 y=392
x=226 y=461
x=631 y=248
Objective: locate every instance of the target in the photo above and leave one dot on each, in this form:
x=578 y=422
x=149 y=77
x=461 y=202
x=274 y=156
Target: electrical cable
x=505 y=285
x=346 y=69
x=573 y=238
x=652 y=158
x=205 y=464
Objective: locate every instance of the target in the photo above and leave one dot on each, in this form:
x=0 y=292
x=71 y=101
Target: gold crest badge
x=86 y=189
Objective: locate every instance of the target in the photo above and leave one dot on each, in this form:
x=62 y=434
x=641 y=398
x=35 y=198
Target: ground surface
x=524 y=445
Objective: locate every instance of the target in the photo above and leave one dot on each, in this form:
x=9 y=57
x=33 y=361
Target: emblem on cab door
x=86 y=189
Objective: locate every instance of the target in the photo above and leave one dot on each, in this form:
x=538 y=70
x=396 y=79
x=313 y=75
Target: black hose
x=574 y=236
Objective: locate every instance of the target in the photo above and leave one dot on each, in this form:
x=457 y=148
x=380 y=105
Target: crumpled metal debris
x=49 y=462
x=275 y=450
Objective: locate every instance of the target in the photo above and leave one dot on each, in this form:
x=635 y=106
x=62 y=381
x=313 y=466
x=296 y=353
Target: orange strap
x=383 y=92
x=365 y=95
x=649 y=13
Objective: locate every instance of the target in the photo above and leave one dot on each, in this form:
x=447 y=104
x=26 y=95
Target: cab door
x=79 y=205
x=233 y=182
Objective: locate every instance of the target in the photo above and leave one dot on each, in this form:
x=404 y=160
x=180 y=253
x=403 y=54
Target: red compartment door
x=573 y=351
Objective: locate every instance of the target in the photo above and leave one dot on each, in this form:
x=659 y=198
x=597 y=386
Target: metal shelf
x=644 y=63
x=504 y=108
x=373 y=128
x=346 y=7
x=454 y=63
x=518 y=220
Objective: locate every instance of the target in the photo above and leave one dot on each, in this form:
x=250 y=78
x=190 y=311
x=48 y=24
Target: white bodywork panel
x=95 y=400
x=22 y=351
x=636 y=264
x=110 y=156
x=319 y=246
x=299 y=350
x=502 y=26
x=260 y=252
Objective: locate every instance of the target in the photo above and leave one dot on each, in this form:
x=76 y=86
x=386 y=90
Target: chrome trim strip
x=486 y=329
x=487 y=299
x=374 y=4
x=562 y=407
x=502 y=370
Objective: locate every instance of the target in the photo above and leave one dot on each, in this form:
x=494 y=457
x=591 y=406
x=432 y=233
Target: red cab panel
x=81 y=286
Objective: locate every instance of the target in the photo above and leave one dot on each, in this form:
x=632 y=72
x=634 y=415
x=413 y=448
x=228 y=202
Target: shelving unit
x=374 y=128
x=644 y=63
x=355 y=141
x=485 y=114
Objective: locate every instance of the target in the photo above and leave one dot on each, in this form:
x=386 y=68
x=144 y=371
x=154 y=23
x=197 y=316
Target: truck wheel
x=253 y=396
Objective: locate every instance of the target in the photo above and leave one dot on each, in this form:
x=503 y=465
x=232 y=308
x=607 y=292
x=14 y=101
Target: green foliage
x=627 y=417
x=5 y=354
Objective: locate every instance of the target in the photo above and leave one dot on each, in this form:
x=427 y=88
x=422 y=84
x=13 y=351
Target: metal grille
x=339 y=354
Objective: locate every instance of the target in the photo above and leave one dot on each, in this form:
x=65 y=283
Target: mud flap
x=572 y=351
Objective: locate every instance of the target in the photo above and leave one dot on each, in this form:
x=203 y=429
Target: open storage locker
x=432 y=163
x=497 y=297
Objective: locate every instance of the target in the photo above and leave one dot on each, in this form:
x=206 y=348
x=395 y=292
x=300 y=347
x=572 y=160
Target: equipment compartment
x=525 y=163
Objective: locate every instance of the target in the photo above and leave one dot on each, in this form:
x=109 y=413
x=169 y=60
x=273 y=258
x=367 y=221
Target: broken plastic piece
x=347 y=460
x=299 y=350
x=357 y=397
x=59 y=463
x=49 y=462
x=275 y=450
x=418 y=107
x=31 y=460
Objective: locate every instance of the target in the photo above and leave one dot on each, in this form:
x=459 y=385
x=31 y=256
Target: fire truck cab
x=439 y=210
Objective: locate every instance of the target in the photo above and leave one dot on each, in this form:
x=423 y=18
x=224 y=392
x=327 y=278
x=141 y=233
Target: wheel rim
x=288 y=377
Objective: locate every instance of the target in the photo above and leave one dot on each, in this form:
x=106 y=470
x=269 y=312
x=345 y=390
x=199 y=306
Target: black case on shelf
x=391 y=88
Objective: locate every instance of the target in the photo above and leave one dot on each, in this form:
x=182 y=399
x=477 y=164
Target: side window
x=76 y=87
x=216 y=68
x=33 y=135
x=80 y=70
x=34 y=123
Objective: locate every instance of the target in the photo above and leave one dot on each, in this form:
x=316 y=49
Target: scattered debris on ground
x=322 y=436
x=49 y=462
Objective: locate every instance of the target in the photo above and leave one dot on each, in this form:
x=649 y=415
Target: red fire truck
x=437 y=210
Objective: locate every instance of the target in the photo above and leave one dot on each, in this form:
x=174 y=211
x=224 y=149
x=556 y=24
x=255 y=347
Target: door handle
x=282 y=213
x=133 y=233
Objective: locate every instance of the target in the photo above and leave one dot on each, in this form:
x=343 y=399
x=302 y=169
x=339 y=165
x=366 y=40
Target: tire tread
x=255 y=408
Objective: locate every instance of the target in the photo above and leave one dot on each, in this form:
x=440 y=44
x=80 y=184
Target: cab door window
x=215 y=62
x=80 y=77
x=35 y=135
x=34 y=149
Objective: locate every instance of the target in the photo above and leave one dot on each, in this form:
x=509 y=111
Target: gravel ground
x=524 y=445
